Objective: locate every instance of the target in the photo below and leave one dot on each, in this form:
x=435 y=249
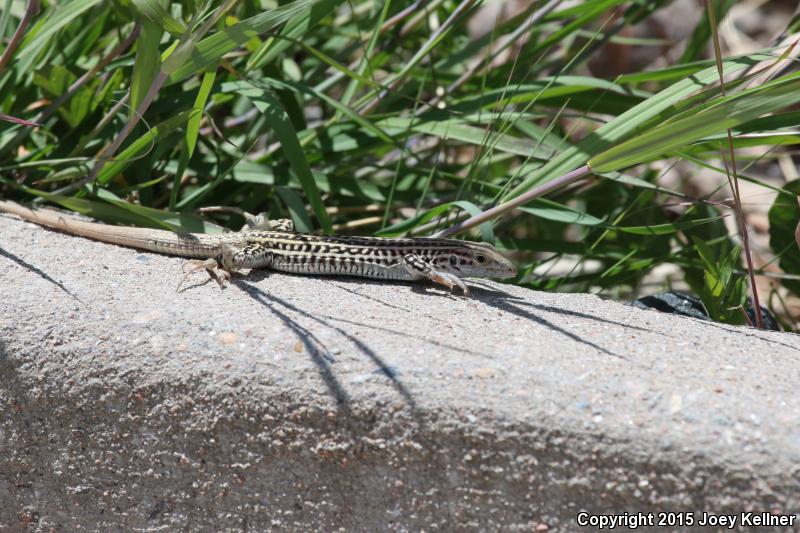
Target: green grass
x=389 y=118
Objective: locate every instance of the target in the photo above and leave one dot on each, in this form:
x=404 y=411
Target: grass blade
x=278 y=119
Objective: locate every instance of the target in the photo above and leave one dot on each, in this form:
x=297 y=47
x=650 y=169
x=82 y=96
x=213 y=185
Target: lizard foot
x=420 y=268
x=212 y=266
x=450 y=281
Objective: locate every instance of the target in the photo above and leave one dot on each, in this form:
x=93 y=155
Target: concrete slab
x=288 y=402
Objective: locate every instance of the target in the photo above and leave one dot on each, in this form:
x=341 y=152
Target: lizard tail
x=154 y=240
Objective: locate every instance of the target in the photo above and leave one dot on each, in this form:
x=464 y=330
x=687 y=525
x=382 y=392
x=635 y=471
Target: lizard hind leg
x=231 y=258
x=262 y=222
x=213 y=266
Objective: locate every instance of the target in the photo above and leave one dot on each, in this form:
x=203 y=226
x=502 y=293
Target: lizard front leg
x=420 y=268
x=249 y=255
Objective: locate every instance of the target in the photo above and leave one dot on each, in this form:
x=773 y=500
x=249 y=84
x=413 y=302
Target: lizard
x=274 y=244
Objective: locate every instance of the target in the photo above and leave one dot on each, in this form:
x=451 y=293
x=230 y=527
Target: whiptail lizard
x=274 y=244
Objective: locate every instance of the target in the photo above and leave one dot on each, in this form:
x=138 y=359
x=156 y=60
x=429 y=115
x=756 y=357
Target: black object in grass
x=679 y=303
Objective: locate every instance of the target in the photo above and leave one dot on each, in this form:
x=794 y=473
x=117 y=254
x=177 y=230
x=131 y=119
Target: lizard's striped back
x=373 y=257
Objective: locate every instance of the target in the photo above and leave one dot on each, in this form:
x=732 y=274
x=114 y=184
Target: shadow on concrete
x=511 y=304
x=481 y=290
x=749 y=331
x=490 y=296
x=410 y=336
x=316 y=348
x=361 y=295
x=35 y=270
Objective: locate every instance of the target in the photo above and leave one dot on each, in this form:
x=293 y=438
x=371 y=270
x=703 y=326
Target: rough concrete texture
x=293 y=403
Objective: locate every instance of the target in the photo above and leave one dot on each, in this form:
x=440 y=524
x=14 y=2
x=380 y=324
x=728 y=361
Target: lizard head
x=476 y=260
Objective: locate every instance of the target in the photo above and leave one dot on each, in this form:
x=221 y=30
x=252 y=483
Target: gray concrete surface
x=293 y=403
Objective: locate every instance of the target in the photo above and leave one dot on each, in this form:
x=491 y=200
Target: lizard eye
x=480 y=258
x=453 y=260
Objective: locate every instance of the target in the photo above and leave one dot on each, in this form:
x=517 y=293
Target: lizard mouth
x=506 y=273
x=505 y=269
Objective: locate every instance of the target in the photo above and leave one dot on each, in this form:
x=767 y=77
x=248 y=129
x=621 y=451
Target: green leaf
x=550 y=210
x=210 y=50
x=672 y=72
x=193 y=126
x=722 y=294
x=118 y=211
x=153 y=10
x=157 y=218
x=38 y=38
x=310 y=91
x=148 y=61
x=784 y=232
x=724 y=113
x=627 y=123
x=55 y=80
x=299 y=25
x=456 y=130
x=715 y=285
x=706 y=254
x=140 y=146
x=663 y=229
x=5 y=16
x=296 y=207
x=561 y=87
x=407 y=225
